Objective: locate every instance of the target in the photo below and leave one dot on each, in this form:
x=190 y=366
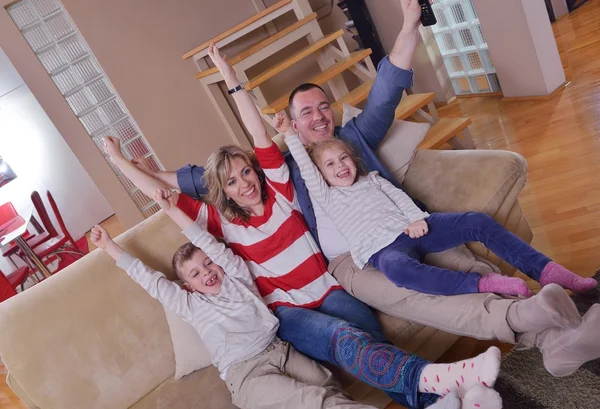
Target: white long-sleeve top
x=371 y=213
x=234 y=325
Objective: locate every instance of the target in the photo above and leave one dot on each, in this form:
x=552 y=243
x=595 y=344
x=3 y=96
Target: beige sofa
x=89 y=337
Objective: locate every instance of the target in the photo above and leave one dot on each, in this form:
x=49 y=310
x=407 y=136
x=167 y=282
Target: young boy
x=239 y=331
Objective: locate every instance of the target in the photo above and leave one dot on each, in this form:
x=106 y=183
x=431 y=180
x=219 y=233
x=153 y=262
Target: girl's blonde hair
x=217 y=172
x=316 y=149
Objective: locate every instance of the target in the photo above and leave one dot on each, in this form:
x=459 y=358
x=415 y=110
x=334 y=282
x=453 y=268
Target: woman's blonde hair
x=316 y=149
x=217 y=173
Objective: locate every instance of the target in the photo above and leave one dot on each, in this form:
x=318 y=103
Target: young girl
x=384 y=227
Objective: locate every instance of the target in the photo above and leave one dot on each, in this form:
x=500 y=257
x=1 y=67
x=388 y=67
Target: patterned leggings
x=356 y=346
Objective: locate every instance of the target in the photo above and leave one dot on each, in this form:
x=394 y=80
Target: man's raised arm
x=394 y=75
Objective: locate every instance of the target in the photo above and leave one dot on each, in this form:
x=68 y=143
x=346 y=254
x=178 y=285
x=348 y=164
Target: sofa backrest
x=89 y=336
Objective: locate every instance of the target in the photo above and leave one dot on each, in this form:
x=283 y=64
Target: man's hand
x=412 y=14
x=282 y=123
x=112 y=146
x=100 y=237
x=417 y=229
x=165 y=199
x=142 y=164
x=406 y=42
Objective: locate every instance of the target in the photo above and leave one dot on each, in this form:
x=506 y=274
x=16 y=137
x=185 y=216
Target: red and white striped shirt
x=286 y=263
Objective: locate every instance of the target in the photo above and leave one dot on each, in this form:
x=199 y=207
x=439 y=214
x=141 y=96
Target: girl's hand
x=282 y=123
x=100 y=237
x=417 y=229
x=165 y=199
x=112 y=146
x=219 y=61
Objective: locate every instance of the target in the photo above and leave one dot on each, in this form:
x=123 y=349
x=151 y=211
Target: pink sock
x=460 y=377
x=499 y=284
x=555 y=273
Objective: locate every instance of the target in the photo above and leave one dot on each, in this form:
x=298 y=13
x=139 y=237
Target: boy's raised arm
x=233 y=265
x=155 y=283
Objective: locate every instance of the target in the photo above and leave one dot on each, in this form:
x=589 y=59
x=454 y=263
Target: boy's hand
x=100 y=237
x=219 y=61
x=281 y=121
x=417 y=229
x=165 y=199
x=112 y=146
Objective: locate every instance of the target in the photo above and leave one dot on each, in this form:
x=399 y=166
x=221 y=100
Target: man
x=547 y=320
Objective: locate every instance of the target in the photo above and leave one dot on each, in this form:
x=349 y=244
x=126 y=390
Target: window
x=461 y=42
x=63 y=52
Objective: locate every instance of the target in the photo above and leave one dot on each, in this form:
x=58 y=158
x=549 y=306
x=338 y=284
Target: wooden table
x=14 y=230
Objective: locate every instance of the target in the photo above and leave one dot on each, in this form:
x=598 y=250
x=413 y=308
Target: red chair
x=62 y=242
x=6 y=289
x=41 y=238
x=18 y=277
x=7 y=213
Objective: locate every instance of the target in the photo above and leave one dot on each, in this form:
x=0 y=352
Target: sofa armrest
x=467 y=180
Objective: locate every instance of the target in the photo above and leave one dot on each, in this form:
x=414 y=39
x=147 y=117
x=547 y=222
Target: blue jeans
x=401 y=260
x=346 y=333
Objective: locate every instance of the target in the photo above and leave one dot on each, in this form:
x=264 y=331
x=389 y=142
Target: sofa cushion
x=88 y=337
x=16 y=388
x=400 y=144
x=201 y=390
x=190 y=352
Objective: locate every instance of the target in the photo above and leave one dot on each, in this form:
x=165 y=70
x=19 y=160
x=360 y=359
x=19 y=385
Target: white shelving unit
x=463 y=47
x=63 y=52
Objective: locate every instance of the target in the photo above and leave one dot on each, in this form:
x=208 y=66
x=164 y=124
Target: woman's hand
x=221 y=63
x=417 y=229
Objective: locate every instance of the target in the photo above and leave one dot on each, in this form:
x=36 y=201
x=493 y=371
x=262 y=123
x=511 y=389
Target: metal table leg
x=30 y=254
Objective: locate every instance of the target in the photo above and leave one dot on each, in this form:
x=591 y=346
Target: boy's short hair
x=183 y=254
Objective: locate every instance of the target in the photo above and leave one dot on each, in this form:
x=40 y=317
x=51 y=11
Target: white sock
x=481 y=397
x=461 y=376
x=450 y=401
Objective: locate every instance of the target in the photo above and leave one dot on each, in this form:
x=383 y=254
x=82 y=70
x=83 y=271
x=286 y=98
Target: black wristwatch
x=236 y=89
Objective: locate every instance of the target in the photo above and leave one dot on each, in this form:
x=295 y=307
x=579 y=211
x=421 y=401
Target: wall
x=526 y=56
x=141 y=54
x=42 y=161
